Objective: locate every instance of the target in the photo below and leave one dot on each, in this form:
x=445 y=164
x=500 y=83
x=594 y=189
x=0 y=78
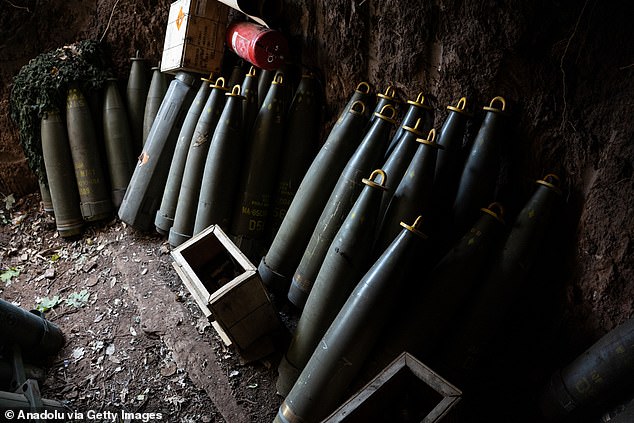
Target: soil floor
x=138 y=343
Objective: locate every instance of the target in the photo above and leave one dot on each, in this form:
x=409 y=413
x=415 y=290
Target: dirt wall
x=565 y=67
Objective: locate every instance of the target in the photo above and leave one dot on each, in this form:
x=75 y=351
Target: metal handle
x=370 y=181
x=278 y=78
x=431 y=136
x=551 y=181
x=363 y=84
x=392 y=116
x=415 y=129
x=415 y=227
x=420 y=101
x=460 y=107
x=496 y=210
x=235 y=90
x=431 y=140
x=354 y=110
x=499 y=99
x=251 y=71
x=220 y=82
x=208 y=80
x=462 y=103
x=387 y=91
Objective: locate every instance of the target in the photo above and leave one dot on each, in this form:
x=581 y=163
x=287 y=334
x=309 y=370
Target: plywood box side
x=245 y=292
x=252 y=326
x=233 y=249
x=198 y=297
x=431 y=378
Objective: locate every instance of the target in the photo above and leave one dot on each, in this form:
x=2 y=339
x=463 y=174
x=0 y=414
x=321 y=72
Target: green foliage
x=45 y=304
x=41 y=85
x=9 y=274
x=78 y=299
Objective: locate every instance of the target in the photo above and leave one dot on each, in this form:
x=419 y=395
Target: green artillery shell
x=347 y=260
x=156 y=92
x=185 y=216
x=301 y=139
x=47 y=203
x=235 y=78
x=136 y=95
x=388 y=97
x=431 y=306
x=341 y=200
x=264 y=83
x=60 y=173
x=417 y=109
x=364 y=94
x=413 y=192
x=294 y=233
x=259 y=176
x=598 y=376
x=31 y=331
x=477 y=182
x=449 y=164
x=504 y=283
x=397 y=163
x=165 y=215
x=117 y=138
x=355 y=329
x=144 y=193
x=222 y=171
x=94 y=193
x=250 y=104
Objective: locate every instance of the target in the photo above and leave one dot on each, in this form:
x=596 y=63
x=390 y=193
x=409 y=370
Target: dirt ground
x=566 y=70
x=139 y=343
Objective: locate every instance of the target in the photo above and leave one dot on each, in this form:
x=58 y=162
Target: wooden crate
x=194 y=37
x=229 y=291
x=405 y=386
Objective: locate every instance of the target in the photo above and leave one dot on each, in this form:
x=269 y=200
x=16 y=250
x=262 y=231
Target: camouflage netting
x=41 y=85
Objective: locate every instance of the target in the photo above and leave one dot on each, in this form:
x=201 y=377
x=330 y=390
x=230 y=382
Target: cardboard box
x=194 y=39
x=228 y=289
x=406 y=387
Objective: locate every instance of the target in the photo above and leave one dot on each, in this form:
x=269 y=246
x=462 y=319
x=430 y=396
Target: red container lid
x=261 y=46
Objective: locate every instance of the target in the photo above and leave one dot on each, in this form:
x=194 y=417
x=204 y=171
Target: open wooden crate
x=406 y=390
x=229 y=291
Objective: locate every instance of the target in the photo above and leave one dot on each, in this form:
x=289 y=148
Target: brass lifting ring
x=551 y=181
x=415 y=227
x=496 y=210
x=387 y=95
x=365 y=85
x=278 y=79
x=415 y=129
x=494 y=109
x=235 y=91
x=391 y=118
x=460 y=107
x=371 y=182
x=353 y=108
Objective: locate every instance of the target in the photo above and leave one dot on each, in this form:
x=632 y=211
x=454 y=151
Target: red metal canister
x=259 y=45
